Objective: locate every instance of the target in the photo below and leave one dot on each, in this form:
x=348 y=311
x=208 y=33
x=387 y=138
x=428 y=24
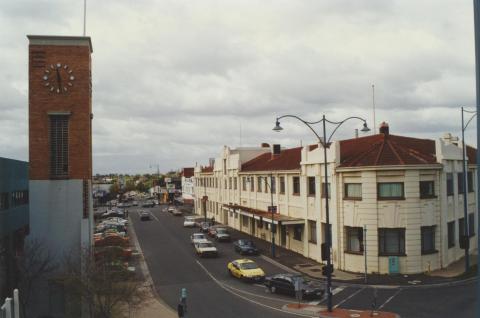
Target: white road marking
x=337 y=290
x=245 y=298
x=351 y=296
x=389 y=299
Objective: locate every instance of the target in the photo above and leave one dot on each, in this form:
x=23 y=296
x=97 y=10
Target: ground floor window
x=451 y=234
x=244 y=220
x=354 y=236
x=312 y=232
x=391 y=241
x=428 y=239
x=297 y=232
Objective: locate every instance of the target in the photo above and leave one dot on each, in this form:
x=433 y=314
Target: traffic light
x=325 y=251
x=327 y=269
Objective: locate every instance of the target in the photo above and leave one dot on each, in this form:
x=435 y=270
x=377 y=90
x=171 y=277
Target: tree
x=104 y=284
x=34 y=265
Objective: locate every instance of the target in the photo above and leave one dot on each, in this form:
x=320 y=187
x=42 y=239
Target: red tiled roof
x=288 y=159
x=386 y=150
x=207 y=169
x=187 y=172
x=472 y=155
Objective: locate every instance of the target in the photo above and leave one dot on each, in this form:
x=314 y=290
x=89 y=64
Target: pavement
x=320 y=311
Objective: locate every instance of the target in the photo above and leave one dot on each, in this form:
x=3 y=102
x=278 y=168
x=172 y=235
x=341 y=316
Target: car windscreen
x=247 y=243
x=205 y=245
x=222 y=231
x=198 y=236
x=248 y=266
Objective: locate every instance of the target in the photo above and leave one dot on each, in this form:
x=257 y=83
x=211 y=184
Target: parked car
x=114 y=213
x=148 y=204
x=285 y=284
x=205 y=248
x=189 y=221
x=113 y=252
x=116 y=219
x=111 y=239
x=135 y=203
x=171 y=209
x=246 y=270
x=205 y=226
x=195 y=237
x=244 y=246
x=156 y=202
x=145 y=216
x=177 y=212
x=222 y=235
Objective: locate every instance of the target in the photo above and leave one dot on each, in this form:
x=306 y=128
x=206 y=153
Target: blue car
x=244 y=246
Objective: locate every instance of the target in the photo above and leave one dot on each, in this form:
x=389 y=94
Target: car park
x=196 y=237
x=285 y=284
x=145 y=216
x=189 y=221
x=246 y=270
x=222 y=235
x=205 y=248
x=244 y=246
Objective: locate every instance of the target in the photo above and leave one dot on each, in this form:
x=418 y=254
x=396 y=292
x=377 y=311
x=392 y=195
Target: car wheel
x=272 y=289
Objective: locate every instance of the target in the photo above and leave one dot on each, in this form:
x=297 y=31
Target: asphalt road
x=211 y=291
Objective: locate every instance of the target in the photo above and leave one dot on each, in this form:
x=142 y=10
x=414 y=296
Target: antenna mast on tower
x=84 y=17
x=373 y=104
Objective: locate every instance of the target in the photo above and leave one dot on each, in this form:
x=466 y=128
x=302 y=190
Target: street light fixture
x=466 y=229
x=325 y=144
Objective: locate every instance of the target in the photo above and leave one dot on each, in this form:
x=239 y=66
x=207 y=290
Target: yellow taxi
x=246 y=269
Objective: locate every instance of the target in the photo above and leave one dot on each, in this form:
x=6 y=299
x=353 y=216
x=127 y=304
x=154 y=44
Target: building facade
x=188 y=182
x=14 y=219
x=395 y=201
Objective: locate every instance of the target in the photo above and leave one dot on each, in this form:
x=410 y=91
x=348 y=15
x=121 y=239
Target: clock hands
x=59 y=80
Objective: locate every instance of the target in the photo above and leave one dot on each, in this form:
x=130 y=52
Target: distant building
x=406 y=192
x=188 y=183
x=14 y=219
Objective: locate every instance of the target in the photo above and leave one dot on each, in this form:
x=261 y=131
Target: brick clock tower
x=60 y=147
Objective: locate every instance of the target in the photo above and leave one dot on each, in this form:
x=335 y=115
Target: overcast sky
x=174 y=81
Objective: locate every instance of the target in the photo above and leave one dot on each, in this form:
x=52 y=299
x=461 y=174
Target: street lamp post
x=466 y=230
x=325 y=144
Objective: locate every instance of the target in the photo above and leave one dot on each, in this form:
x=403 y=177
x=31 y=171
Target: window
x=224 y=166
x=4 y=201
x=312 y=231
x=427 y=189
x=235 y=183
x=282 y=185
x=449 y=184
x=266 y=185
x=311 y=186
x=251 y=184
x=461 y=228
x=451 y=234
x=225 y=183
x=59 y=146
x=428 y=239
x=296 y=185
x=471 y=224
x=353 y=191
x=273 y=184
x=297 y=232
x=259 y=184
x=244 y=183
x=470 y=181
x=390 y=190
x=391 y=241
x=244 y=220
x=325 y=188
x=460 y=182
x=19 y=198
x=230 y=183
x=354 y=237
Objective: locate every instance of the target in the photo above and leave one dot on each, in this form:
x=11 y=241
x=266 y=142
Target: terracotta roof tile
x=288 y=159
x=207 y=169
x=386 y=150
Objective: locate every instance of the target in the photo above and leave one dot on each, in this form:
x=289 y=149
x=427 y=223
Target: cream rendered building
x=404 y=191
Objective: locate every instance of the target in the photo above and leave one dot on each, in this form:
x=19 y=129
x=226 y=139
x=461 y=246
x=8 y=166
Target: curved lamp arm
x=306 y=123
x=468 y=122
x=340 y=124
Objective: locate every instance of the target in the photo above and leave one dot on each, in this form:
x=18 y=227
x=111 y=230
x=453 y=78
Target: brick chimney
x=265 y=145
x=384 y=128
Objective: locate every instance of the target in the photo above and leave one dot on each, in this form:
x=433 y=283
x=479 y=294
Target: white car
x=116 y=220
x=177 y=212
x=196 y=237
x=205 y=248
x=189 y=221
x=171 y=209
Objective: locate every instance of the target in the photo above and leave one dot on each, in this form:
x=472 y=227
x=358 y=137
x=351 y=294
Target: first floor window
x=461 y=228
x=244 y=184
x=428 y=239
x=311 y=186
x=470 y=181
x=427 y=189
x=282 y=185
x=297 y=232
x=471 y=224
x=312 y=231
x=390 y=190
x=354 y=237
x=391 y=241
x=4 y=201
x=449 y=183
x=296 y=185
x=451 y=234
x=273 y=184
x=244 y=220
x=353 y=191
x=259 y=184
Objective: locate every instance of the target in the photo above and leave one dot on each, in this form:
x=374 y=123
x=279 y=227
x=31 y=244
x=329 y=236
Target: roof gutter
x=395 y=167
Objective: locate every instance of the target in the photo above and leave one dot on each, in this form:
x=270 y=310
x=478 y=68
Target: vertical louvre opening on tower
x=59 y=146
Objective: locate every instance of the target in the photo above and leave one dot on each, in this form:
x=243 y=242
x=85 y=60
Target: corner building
x=60 y=150
x=406 y=192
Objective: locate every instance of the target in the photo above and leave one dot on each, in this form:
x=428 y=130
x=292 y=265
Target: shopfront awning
x=264 y=215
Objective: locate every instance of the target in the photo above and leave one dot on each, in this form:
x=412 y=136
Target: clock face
x=58 y=78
